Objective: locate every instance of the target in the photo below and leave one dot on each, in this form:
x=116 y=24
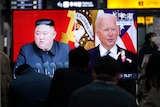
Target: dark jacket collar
x=104 y=79
x=40 y=51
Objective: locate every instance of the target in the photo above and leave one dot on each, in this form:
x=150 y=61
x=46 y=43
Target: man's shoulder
x=92 y=50
x=68 y=70
x=128 y=52
x=85 y=89
x=61 y=43
x=28 y=45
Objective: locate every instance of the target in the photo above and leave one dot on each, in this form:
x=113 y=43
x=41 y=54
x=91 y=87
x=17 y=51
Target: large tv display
x=74 y=27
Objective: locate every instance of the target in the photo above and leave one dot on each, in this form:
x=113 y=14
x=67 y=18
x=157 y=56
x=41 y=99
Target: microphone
x=39 y=67
x=66 y=65
x=53 y=67
x=59 y=65
x=45 y=65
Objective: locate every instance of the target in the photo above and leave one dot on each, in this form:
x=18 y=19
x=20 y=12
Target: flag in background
x=84 y=29
x=84 y=34
x=24 y=24
x=128 y=28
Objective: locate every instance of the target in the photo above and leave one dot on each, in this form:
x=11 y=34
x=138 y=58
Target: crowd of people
x=91 y=78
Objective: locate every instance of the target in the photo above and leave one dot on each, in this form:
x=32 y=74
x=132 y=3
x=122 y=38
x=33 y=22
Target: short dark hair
x=106 y=65
x=149 y=35
x=45 y=22
x=79 y=57
x=21 y=68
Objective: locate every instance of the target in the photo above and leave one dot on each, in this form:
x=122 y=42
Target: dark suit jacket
x=101 y=93
x=30 y=89
x=64 y=82
x=126 y=67
x=31 y=54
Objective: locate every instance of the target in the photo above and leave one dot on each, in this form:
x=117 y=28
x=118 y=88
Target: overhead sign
x=132 y=4
x=74 y=4
x=145 y=20
x=27 y=4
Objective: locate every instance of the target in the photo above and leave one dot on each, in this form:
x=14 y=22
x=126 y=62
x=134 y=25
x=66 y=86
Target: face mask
x=153 y=39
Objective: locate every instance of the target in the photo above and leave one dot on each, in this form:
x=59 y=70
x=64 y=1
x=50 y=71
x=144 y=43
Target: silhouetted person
x=103 y=91
x=29 y=89
x=6 y=77
x=148 y=47
x=149 y=83
x=66 y=80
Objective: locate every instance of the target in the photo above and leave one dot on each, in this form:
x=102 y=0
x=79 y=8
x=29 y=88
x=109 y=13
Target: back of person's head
x=149 y=35
x=106 y=66
x=79 y=57
x=21 y=68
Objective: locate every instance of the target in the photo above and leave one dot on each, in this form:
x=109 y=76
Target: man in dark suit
x=44 y=50
x=29 y=89
x=107 y=31
x=66 y=80
x=103 y=91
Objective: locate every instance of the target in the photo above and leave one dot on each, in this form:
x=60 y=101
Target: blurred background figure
x=148 y=47
x=66 y=80
x=103 y=91
x=29 y=89
x=149 y=83
x=6 y=77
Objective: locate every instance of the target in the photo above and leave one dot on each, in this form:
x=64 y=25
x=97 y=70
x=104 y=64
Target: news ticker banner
x=129 y=76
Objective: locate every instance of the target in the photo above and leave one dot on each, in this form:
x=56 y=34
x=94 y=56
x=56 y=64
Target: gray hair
x=103 y=16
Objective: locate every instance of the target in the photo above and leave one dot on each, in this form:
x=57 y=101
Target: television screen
x=74 y=27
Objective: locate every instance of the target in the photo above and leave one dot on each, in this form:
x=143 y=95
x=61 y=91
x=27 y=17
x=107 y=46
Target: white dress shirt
x=113 y=51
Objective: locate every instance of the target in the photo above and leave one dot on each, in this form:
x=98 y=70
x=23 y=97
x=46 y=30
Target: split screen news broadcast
x=77 y=28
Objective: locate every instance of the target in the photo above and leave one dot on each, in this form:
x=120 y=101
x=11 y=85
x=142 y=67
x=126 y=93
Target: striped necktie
x=107 y=53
